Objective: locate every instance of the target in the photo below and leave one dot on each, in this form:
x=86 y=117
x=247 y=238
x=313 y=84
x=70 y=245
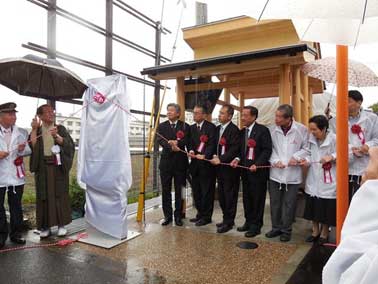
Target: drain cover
x=247 y=245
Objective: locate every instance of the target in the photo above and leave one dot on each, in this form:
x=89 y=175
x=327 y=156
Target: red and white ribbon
x=56 y=151
x=356 y=129
x=203 y=140
x=19 y=163
x=222 y=143
x=99 y=98
x=327 y=173
x=251 y=149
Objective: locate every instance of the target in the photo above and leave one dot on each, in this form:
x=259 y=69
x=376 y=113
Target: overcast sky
x=22 y=22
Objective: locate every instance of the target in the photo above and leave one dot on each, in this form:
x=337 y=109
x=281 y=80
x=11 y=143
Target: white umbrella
x=359 y=75
x=321 y=9
x=340 y=31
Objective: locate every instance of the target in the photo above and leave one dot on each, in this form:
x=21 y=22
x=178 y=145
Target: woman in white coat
x=320 y=158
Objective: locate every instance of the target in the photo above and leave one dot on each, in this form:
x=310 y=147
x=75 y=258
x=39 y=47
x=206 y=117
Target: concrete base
x=103 y=240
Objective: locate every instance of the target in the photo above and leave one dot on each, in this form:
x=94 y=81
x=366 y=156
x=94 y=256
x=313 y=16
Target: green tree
x=374 y=107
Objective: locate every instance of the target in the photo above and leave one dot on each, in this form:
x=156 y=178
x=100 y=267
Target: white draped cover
x=104 y=163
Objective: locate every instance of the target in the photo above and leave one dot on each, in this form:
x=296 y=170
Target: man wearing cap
x=13 y=147
x=51 y=160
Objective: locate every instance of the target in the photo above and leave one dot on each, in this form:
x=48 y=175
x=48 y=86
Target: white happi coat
x=284 y=148
x=316 y=183
x=355 y=260
x=368 y=121
x=8 y=171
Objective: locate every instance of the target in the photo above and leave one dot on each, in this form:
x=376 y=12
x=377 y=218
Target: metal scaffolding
x=53 y=10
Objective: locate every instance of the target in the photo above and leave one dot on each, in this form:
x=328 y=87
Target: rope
x=61 y=243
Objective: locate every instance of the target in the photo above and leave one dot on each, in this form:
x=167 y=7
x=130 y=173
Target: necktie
x=173 y=125
x=198 y=127
x=246 y=140
x=220 y=137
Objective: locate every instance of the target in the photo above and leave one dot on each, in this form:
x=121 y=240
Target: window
x=70 y=131
x=77 y=131
x=78 y=124
x=69 y=123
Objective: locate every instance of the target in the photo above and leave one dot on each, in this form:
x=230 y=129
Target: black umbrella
x=34 y=76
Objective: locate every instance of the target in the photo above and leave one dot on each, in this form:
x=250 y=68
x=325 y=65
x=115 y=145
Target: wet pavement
x=169 y=254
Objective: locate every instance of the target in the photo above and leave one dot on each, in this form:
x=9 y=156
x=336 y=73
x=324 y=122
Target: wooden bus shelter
x=248 y=60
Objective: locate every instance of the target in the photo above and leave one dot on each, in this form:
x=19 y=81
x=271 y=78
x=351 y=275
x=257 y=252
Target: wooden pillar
x=241 y=105
x=310 y=96
x=306 y=104
x=180 y=96
x=285 y=84
x=227 y=95
x=297 y=93
x=226 y=91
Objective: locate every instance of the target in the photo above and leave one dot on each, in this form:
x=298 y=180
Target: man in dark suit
x=256 y=148
x=173 y=162
x=202 y=146
x=228 y=147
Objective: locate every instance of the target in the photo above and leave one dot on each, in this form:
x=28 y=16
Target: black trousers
x=179 y=179
x=15 y=209
x=254 y=195
x=354 y=185
x=203 y=189
x=228 y=189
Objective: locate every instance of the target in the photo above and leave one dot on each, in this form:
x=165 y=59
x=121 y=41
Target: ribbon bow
x=251 y=143
x=356 y=129
x=180 y=135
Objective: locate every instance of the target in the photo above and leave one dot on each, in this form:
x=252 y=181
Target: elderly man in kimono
x=363 y=134
x=51 y=160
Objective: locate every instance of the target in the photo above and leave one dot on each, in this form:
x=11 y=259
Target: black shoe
x=285 y=237
x=203 y=222
x=2 y=244
x=194 y=220
x=223 y=229
x=243 y=228
x=178 y=222
x=312 y=239
x=18 y=240
x=251 y=234
x=219 y=224
x=322 y=241
x=166 y=222
x=273 y=234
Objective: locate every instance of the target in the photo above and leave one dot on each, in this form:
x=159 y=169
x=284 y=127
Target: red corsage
x=223 y=142
x=356 y=129
x=203 y=139
x=19 y=163
x=99 y=98
x=251 y=143
x=327 y=172
x=180 y=135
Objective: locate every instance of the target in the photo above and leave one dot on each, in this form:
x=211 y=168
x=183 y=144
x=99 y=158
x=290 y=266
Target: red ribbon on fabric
x=327 y=172
x=19 y=163
x=203 y=139
x=99 y=98
x=251 y=143
x=356 y=129
x=223 y=143
x=180 y=135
